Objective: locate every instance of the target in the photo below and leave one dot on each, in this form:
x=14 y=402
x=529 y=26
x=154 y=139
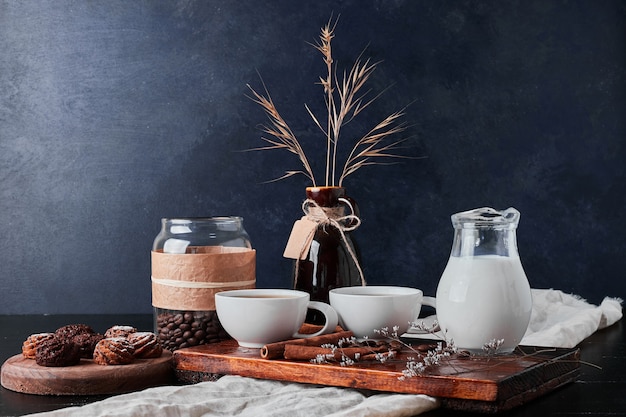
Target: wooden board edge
x=206 y=368
x=191 y=366
x=540 y=374
x=493 y=407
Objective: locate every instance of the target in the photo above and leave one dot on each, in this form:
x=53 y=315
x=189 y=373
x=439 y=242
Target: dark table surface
x=598 y=392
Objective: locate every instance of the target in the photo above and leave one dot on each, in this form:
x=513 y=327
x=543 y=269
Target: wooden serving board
x=87 y=378
x=484 y=384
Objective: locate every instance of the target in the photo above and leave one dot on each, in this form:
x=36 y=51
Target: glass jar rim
x=211 y=219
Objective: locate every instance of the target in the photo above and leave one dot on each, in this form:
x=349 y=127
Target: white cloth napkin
x=558 y=320
x=564 y=320
x=247 y=397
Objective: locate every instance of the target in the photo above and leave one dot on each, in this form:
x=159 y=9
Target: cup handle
x=429 y=301
x=331 y=319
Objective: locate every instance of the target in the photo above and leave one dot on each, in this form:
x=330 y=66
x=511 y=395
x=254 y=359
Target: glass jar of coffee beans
x=192 y=260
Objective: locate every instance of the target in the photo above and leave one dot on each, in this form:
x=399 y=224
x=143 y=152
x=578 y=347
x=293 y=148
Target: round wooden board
x=87 y=378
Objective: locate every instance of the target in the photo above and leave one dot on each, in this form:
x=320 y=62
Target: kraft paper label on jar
x=190 y=281
x=300 y=239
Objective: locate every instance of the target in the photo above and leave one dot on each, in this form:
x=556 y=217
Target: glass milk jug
x=483 y=294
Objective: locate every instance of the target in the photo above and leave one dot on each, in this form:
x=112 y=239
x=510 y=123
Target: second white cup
x=363 y=310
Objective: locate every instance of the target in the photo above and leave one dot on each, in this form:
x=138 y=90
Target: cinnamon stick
x=308 y=328
x=276 y=350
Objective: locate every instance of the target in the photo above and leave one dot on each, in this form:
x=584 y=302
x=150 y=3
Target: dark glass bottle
x=333 y=259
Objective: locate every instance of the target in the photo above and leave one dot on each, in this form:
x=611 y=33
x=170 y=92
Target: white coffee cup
x=365 y=309
x=256 y=317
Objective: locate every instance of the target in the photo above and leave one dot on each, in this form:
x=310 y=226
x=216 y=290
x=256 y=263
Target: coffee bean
x=179 y=329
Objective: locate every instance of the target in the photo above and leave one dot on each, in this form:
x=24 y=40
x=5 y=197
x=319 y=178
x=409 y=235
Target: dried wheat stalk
x=345 y=99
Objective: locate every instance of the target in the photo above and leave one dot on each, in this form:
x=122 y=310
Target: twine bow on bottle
x=331 y=217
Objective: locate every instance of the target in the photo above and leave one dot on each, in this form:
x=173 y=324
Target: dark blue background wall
x=114 y=114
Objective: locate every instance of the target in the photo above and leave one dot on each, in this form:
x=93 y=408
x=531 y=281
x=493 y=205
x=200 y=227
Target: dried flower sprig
x=492 y=347
x=345 y=99
x=417 y=364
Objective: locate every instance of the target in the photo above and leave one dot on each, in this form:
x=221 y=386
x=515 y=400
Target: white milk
x=480 y=298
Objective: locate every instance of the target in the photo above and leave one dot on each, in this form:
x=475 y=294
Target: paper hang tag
x=300 y=239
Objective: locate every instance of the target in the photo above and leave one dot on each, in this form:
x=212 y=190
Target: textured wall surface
x=114 y=114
